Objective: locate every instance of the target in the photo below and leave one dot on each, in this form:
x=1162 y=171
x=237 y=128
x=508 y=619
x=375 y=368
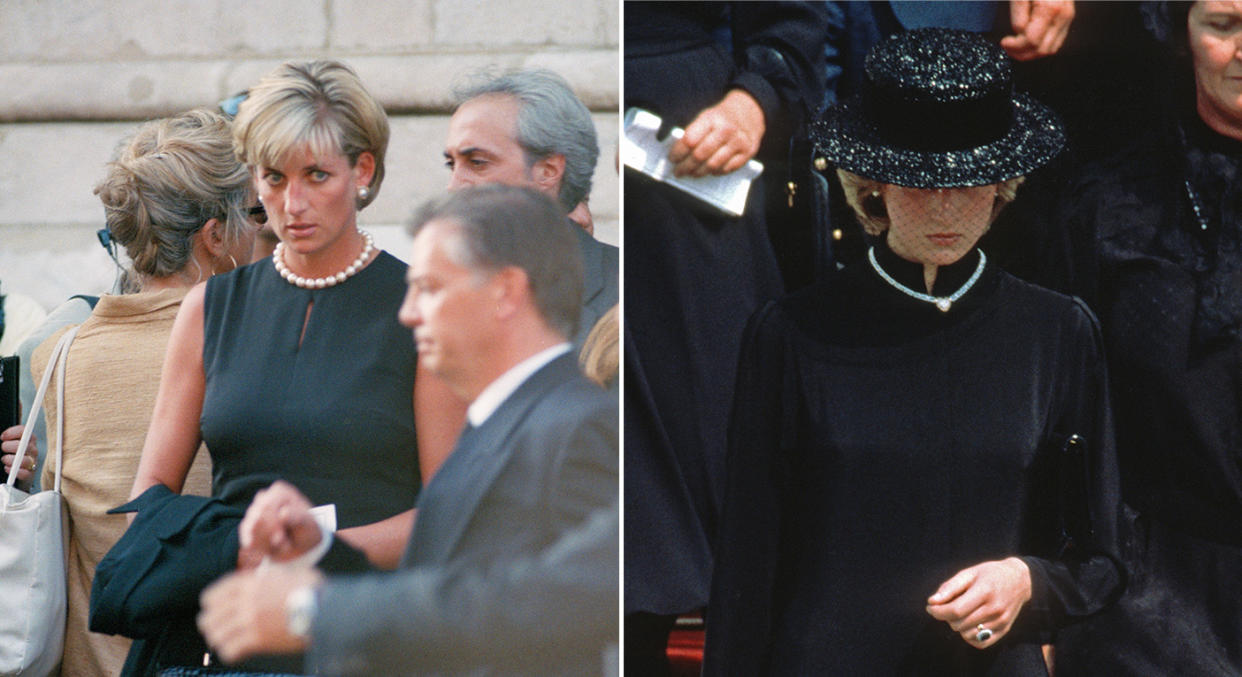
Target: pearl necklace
x=941 y=302
x=278 y=258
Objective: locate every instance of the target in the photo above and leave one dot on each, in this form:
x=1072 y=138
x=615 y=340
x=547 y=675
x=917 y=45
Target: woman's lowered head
x=901 y=214
x=936 y=144
x=178 y=200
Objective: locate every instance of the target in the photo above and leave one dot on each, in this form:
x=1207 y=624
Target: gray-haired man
x=527 y=128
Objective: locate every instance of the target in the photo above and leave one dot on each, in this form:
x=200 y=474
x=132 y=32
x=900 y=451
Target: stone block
x=135 y=90
x=270 y=28
x=424 y=83
x=63 y=30
x=381 y=26
x=139 y=90
x=494 y=25
x=48 y=171
x=611 y=35
x=421 y=83
x=592 y=74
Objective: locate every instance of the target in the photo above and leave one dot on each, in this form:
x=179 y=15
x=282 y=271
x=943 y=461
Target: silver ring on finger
x=982 y=634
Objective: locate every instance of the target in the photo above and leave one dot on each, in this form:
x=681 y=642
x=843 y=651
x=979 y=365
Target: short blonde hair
x=320 y=104
x=863 y=195
x=171 y=177
x=600 y=357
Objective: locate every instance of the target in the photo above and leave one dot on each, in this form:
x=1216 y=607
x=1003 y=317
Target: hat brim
x=846 y=138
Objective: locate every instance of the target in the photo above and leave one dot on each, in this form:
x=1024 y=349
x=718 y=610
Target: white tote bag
x=32 y=552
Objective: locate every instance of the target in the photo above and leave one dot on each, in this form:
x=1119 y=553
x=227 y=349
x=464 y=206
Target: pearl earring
x=364 y=193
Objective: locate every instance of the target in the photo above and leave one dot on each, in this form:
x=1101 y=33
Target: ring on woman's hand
x=983 y=634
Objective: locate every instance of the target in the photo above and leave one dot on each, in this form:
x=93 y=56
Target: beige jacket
x=111 y=379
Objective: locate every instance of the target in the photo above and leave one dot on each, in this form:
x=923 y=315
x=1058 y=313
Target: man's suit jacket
x=601 y=276
x=542 y=466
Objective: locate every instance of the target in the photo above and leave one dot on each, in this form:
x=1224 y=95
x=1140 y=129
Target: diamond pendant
x=943 y=305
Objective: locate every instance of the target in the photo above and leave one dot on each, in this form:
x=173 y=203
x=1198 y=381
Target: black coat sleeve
x=779 y=51
x=740 y=609
x=522 y=614
x=1079 y=570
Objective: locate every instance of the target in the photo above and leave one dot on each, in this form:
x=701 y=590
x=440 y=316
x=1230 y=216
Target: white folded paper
x=642 y=151
x=325 y=515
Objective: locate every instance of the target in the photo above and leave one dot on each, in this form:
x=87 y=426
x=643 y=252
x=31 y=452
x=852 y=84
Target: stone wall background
x=78 y=75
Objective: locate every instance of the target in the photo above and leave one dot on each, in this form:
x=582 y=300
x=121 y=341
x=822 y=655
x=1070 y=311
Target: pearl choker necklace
x=941 y=302
x=278 y=258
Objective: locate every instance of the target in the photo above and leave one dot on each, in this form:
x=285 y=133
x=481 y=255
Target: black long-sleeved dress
x=878 y=446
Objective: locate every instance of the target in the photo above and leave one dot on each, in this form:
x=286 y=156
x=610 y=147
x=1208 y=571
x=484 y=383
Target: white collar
x=499 y=390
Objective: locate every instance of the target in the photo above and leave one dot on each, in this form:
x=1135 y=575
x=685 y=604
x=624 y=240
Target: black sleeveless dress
x=331 y=414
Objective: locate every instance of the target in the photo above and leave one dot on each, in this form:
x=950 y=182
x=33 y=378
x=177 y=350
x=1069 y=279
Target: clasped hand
x=278 y=525
x=9 y=440
x=989 y=594
x=243 y=613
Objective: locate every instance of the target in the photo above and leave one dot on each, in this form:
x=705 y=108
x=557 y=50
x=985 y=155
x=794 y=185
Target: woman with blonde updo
x=177 y=200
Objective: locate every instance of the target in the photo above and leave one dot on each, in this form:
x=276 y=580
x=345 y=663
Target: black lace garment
x=1169 y=298
x=1212 y=188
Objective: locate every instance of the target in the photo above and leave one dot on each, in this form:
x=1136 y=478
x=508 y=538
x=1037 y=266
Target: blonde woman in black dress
x=294 y=368
x=920 y=479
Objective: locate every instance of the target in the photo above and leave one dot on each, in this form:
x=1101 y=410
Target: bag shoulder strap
x=56 y=363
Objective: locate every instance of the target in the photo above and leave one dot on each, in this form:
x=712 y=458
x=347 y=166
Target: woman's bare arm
x=384 y=541
x=439 y=415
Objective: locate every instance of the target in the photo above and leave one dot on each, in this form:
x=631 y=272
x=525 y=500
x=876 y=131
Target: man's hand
x=1039 y=27
x=721 y=139
x=988 y=595
x=243 y=613
x=278 y=525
